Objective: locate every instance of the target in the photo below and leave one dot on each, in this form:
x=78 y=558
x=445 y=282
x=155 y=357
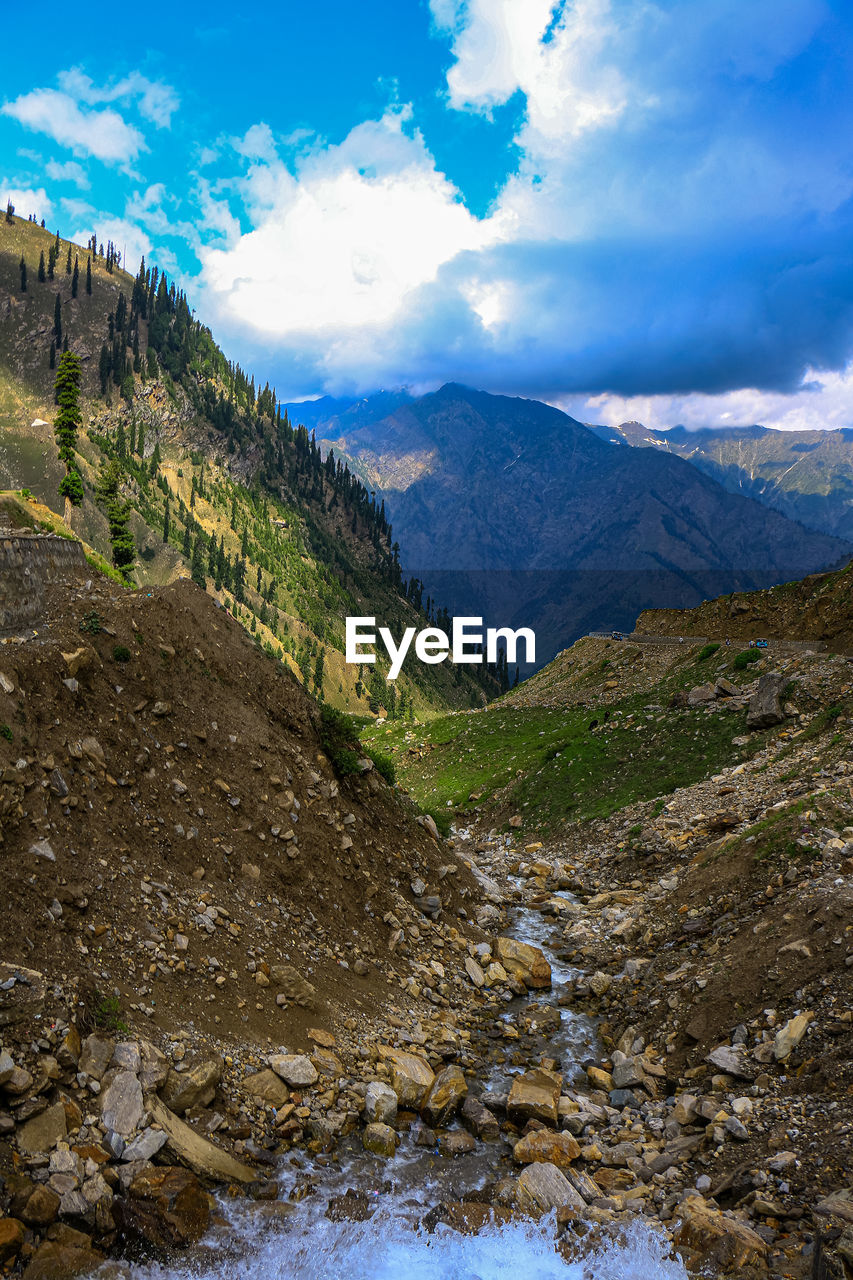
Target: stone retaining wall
x=28 y=562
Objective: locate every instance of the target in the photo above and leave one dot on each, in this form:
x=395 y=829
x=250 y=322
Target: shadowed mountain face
x=510 y=509
x=807 y=475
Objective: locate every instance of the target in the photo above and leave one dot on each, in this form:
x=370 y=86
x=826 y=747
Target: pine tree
x=23 y=275
x=118 y=516
x=89 y=276
x=75 y=279
x=104 y=367
x=57 y=319
x=187 y=544
x=167 y=522
x=42 y=272
x=121 y=440
x=53 y=355
x=68 y=421
x=197 y=569
x=68 y=262
x=10 y=211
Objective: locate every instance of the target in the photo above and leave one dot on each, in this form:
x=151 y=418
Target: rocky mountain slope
x=510 y=508
x=807 y=475
x=681 y=818
x=217 y=480
x=818 y=609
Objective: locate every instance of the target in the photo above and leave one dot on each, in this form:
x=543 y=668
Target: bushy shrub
x=121 y=653
x=743 y=659
x=384 y=765
x=339 y=740
x=706 y=651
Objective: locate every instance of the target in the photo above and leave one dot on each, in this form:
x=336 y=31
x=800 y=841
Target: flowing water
x=389 y=1247
x=393 y=1244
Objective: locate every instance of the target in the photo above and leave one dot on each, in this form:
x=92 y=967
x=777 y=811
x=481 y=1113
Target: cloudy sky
x=631 y=209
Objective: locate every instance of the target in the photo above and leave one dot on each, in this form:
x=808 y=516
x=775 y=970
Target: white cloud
x=128 y=238
x=70 y=171
x=825 y=401
x=569 y=83
x=155 y=100
x=103 y=134
x=26 y=200
x=75 y=208
x=257 y=143
x=340 y=245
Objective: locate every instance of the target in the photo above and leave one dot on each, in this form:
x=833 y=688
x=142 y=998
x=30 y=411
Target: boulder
x=700 y=695
x=121 y=1105
x=546 y=1146
x=380 y=1103
x=290 y=983
x=266 y=1086
x=524 y=961
x=189 y=1148
x=69 y=1049
x=719 y=1240
x=144 y=1146
x=789 y=1036
x=474 y=972
x=42 y=1132
x=295 y=1069
x=456 y=1143
x=11 y=1238
x=328 y=1064
x=41 y=1208
x=154 y=1066
x=732 y=1059
x=448 y=1090
x=127 y=1056
x=411 y=1076
x=165 y=1209
x=543 y=1187
x=7 y=1067
x=192 y=1088
x=536 y=1095
x=479 y=1120
x=96 y=1054
x=55 y=1260
x=380 y=1139
x=765 y=706
x=82 y=661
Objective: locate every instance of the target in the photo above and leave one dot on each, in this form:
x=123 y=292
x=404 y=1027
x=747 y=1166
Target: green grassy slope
x=548 y=764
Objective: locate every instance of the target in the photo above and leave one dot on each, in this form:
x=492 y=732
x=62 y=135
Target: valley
x=617 y=991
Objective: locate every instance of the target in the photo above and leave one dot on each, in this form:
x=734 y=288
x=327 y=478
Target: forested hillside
x=180 y=447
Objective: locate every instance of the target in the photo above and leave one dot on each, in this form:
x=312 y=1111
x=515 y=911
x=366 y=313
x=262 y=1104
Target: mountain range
x=510 y=509
x=807 y=475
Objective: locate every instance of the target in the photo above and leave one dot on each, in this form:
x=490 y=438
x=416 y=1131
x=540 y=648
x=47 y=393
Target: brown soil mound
x=171 y=828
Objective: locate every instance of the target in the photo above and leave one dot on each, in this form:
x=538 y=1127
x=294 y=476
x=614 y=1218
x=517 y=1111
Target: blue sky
x=632 y=209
